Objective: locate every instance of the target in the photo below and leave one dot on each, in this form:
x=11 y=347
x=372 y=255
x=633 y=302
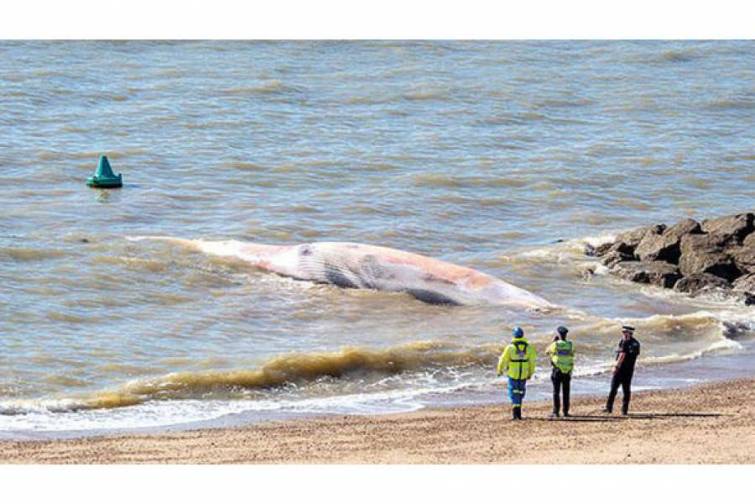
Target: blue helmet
x=518 y=332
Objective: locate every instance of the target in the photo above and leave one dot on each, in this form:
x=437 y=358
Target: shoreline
x=708 y=423
x=650 y=377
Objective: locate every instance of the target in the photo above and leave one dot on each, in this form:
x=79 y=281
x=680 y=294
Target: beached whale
x=354 y=265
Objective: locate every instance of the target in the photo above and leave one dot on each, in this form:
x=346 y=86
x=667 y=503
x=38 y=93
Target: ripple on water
x=741 y=102
x=31 y=254
x=70 y=317
x=271 y=87
x=66 y=381
x=245 y=166
x=456 y=181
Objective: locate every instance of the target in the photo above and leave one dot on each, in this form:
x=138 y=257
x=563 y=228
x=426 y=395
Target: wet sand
x=713 y=423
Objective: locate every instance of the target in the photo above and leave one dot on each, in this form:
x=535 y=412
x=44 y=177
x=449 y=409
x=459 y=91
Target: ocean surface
x=506 y=157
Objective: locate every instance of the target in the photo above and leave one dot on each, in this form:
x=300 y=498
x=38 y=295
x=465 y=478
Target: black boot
x=513 y=414
x=518 y=412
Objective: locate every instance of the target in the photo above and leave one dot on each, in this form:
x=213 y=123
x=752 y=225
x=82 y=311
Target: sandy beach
x=712 y=424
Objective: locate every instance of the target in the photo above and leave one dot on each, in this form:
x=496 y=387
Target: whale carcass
x=359 y=266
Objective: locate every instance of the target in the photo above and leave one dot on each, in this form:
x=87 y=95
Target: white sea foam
x=719 y=346
x=42 y=416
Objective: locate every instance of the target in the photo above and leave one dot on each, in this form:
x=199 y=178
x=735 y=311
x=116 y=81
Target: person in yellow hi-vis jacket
x=561 y=352
x=518 y=362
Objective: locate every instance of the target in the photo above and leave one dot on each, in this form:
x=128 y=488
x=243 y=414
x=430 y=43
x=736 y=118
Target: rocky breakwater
x=715 y=255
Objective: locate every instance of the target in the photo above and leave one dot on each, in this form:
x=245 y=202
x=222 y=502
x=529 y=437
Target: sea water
x=507 y=157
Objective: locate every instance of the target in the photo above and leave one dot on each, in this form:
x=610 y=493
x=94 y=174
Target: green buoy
x=104 y=176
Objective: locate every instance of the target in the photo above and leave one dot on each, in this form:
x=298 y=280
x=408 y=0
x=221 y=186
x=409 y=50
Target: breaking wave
x=291 y=369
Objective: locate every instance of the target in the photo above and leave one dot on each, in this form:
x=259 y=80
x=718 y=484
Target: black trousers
x=560 y=381
x=623 y=379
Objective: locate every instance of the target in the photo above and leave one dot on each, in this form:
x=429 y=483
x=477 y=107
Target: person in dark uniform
x=626 y=356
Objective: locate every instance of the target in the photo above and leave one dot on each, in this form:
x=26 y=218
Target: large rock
x=733 y=227
x=614 y=257
x=626 y=242
x=664 y=246
x=745 y=283
x=656 y=273
x=744 y=258
x=598 y=251
x=622 y=248
x=744 y=287
x=698 y=282
x=749 y=241
x=710 y=255
x=633 y=237
x=705 y=253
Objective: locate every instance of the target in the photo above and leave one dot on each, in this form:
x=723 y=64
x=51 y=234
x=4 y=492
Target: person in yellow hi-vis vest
x=562 y=359
x=518 y=362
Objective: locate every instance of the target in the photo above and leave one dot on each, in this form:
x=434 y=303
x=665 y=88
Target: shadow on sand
x=667 y=415
x=604 y=417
